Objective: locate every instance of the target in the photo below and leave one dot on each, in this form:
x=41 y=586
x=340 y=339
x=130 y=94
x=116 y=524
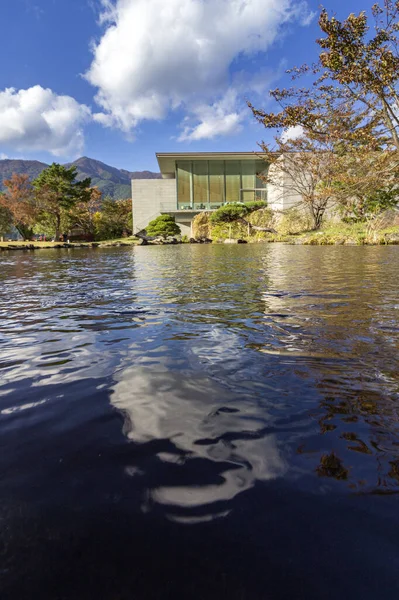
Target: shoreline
x=27 y=246
x=31 y=246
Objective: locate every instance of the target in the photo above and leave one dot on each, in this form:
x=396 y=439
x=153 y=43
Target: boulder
x=200 y=240
x=171 y=240
x=392 y=238
x=240 y=241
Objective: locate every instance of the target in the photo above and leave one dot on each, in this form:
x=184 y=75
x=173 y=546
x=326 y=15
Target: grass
x=330 y=234
x=294 y=227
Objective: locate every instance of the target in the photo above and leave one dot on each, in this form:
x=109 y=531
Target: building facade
x=195 y=182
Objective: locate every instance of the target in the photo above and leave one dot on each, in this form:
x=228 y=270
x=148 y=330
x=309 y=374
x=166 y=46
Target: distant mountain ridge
x=110 y=180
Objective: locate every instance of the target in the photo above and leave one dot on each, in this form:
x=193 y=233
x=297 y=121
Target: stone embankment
x=200 y=240
x=32 y=246
x=159 y=241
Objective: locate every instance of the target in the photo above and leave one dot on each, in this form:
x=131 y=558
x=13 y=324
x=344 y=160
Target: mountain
x=110 y=180
x=33 y=168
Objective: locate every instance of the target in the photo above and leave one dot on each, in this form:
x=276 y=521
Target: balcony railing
x=258 y=194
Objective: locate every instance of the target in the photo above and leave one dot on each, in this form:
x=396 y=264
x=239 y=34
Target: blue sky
x=119 y=80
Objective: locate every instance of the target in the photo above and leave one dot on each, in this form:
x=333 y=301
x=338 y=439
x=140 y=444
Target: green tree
x=114 y=220
x=238 y=212
x=84 y=214
x=57 y=192
x=6 y=219
x=234 y=211
x=163 y=225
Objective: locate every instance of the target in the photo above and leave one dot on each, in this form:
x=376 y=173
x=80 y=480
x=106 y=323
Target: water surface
x=199 y=422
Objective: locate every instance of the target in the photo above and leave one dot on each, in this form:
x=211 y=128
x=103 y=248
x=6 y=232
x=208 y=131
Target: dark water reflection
x=200 y=422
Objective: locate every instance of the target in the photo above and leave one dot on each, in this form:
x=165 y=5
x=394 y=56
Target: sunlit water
x=199 y=422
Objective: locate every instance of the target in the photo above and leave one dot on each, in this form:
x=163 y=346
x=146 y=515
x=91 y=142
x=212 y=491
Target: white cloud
x=39 y=119
x=220 y=118
x=292 y=133
x=3 y=156
x=225 y=116
x=156 y=56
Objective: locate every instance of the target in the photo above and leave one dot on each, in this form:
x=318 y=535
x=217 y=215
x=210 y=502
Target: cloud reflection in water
x=227 y=442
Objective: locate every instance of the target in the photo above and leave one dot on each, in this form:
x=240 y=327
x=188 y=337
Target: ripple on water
x=210 y=387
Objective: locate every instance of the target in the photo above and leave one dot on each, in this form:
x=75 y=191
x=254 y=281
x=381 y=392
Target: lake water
x=199 y=422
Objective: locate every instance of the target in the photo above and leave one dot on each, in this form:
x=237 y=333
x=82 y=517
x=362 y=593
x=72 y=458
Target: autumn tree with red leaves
x=19 y=199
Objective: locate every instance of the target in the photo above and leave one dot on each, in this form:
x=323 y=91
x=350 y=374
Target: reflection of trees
x=314 y=327
x=333 y=320
x=205 y=284
x=332 y=466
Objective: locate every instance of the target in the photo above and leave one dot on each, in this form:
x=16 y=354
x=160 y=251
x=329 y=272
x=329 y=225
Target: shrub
x=256 y=205
x=294 y=221
x=228 y=213
x=231 y=212
x=113 y=220
x=263 y=218
x=223 y=231
x=163 y=225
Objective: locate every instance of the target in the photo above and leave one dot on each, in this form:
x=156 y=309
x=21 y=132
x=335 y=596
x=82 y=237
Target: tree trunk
x=389 y=122
x=318 y=217
x=25 y=231
x=57 y=227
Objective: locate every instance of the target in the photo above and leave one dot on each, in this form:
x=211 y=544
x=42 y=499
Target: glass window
x=248 y=180
x=184 y=184
x=200 y=183
x=216 y=183
x=261 y=169
x=233 y=180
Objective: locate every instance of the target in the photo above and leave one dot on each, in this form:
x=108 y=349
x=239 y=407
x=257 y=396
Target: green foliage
x=234 y=230
x=361 y=209
x=255 y=205
x=163 y=225
x=6 y=220
x=57 y=192
x=228 y=213
x=233 y=211
x=294 y=221
x=59 y=183
x=381 y=200
x=263 y=217
x=114 y=220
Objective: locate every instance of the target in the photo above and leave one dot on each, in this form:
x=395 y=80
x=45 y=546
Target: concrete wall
x=280 y=193
x=185 y=226
x=149 y=197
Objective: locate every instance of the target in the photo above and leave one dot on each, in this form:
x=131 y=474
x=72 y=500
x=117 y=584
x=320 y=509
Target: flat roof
x=166 y=160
